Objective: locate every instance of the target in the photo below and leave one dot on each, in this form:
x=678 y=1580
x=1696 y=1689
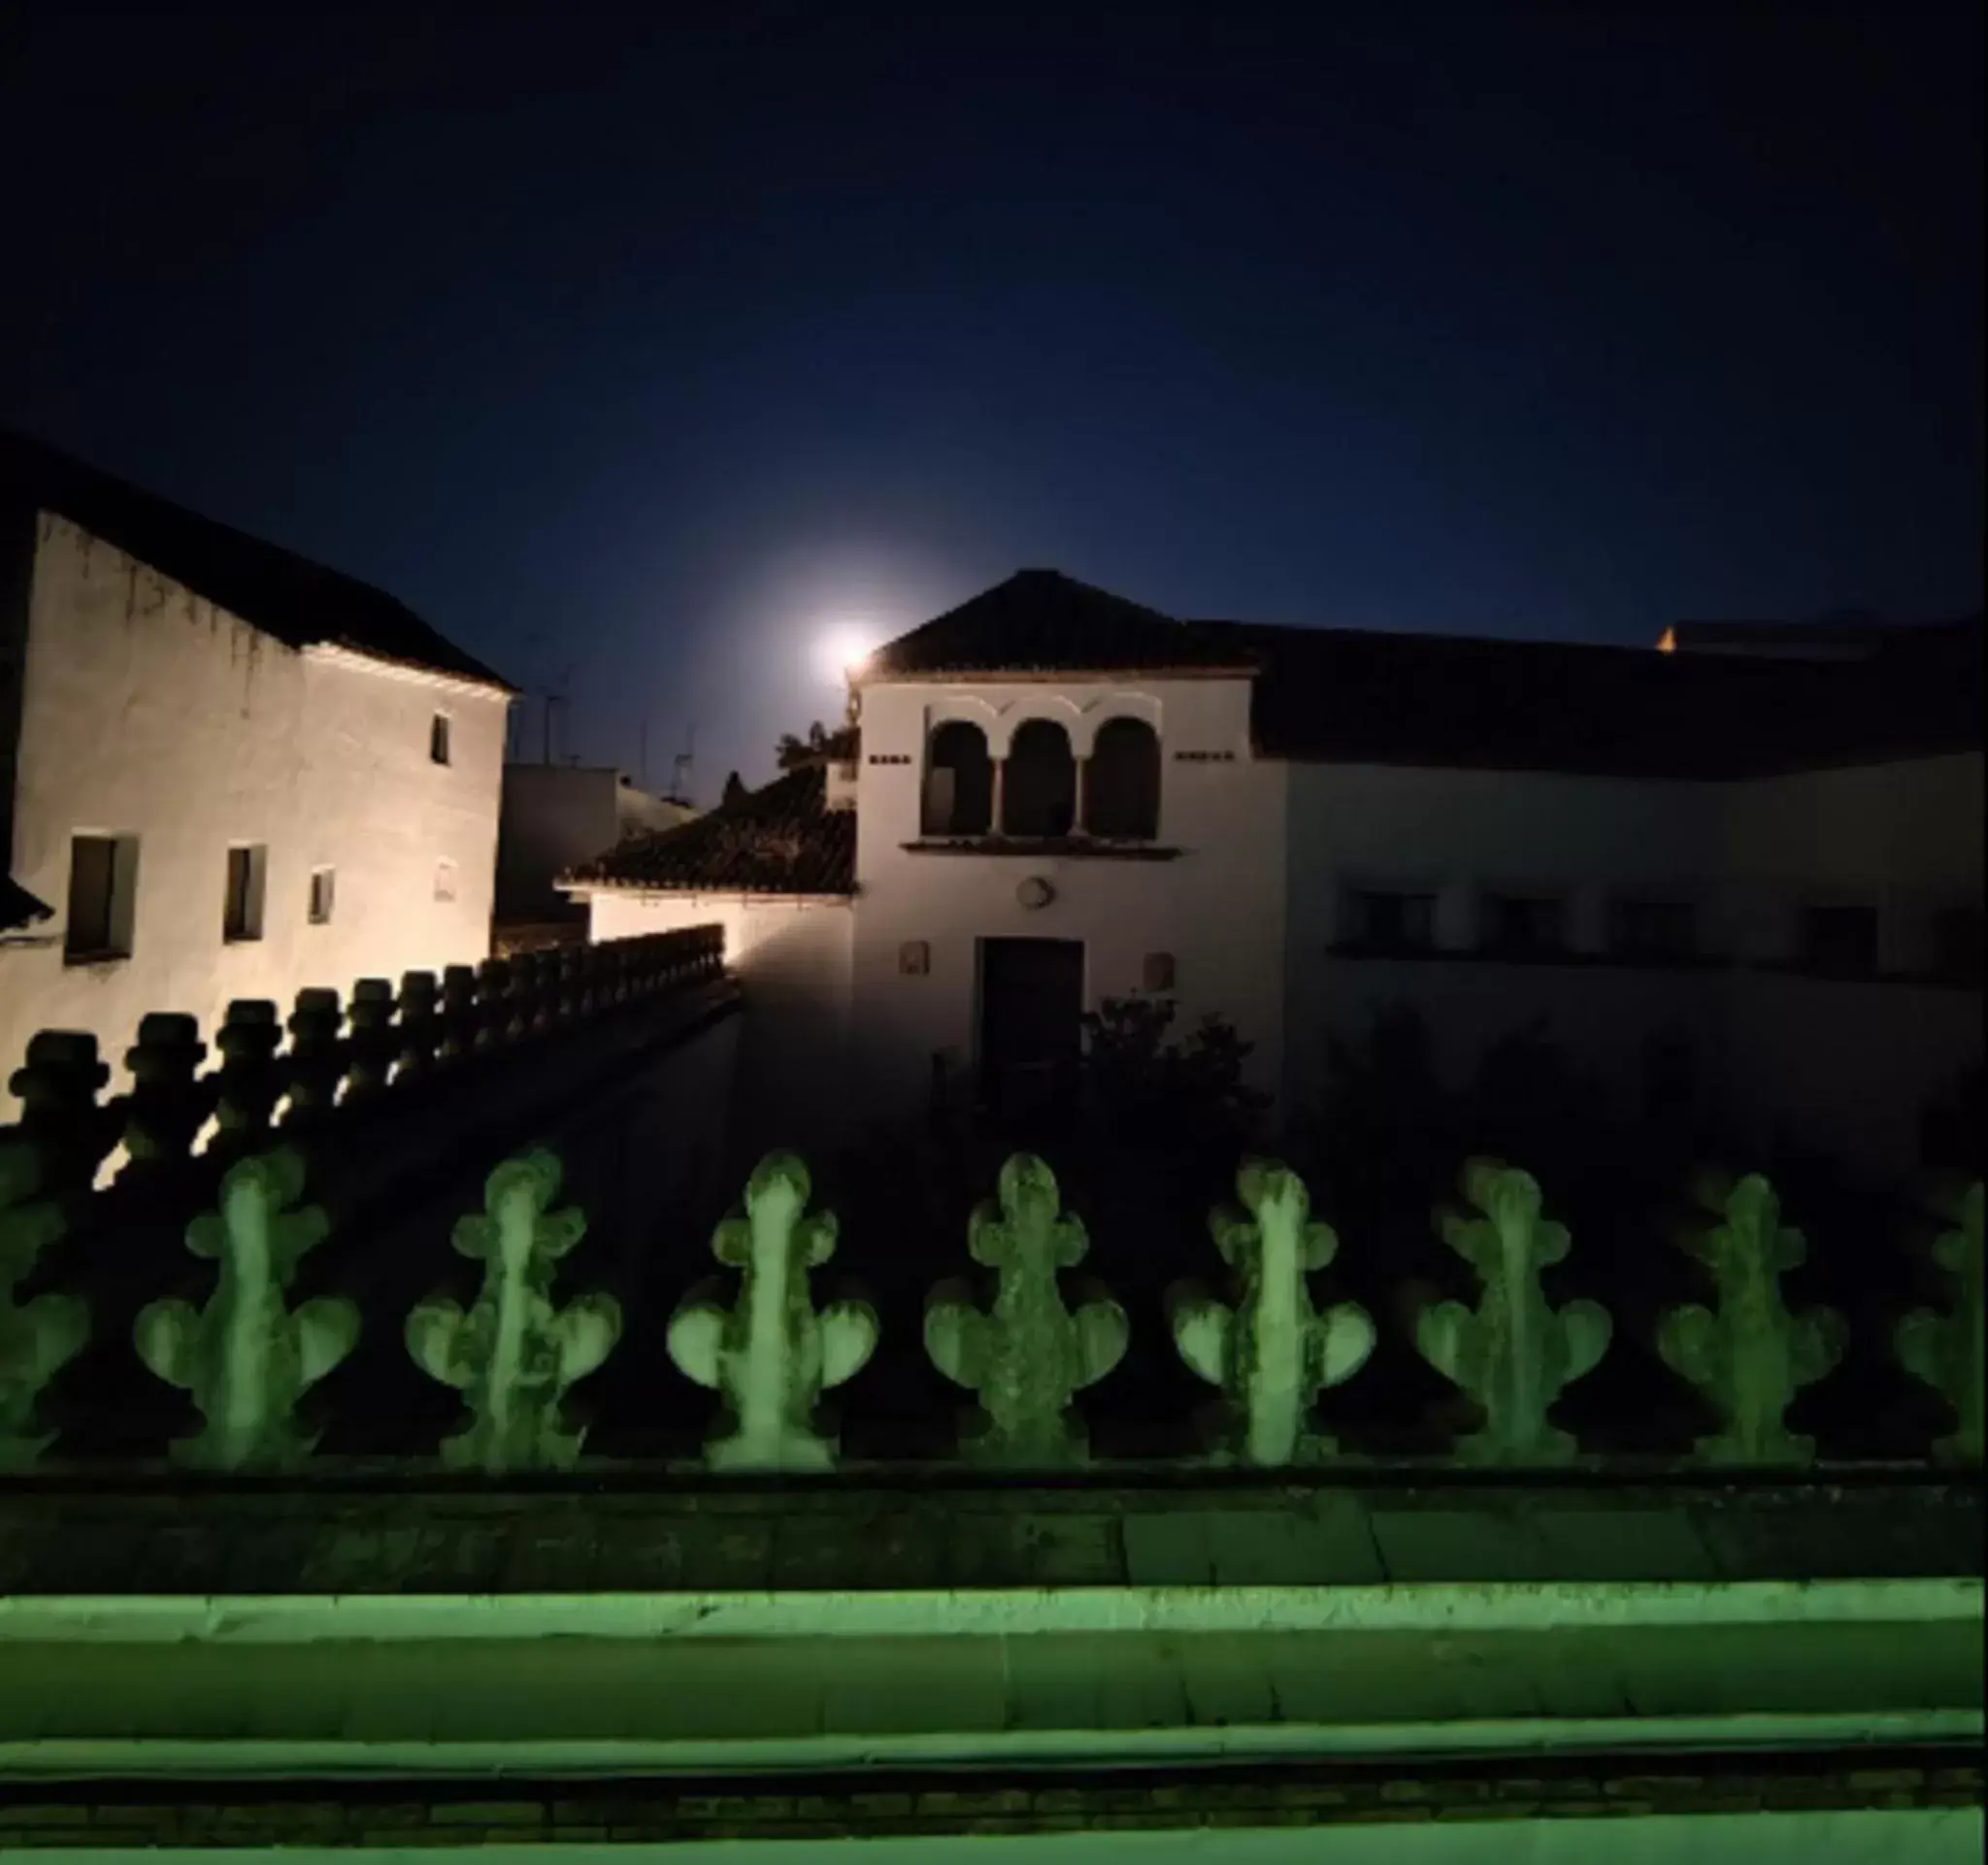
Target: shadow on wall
x=790 y=1089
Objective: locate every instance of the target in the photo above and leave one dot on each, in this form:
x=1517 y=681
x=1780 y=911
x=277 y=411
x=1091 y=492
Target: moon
x=843 y=648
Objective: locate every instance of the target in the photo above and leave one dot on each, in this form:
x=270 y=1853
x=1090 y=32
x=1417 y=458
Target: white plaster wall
x=1905 y=838
x=1464 y=834
x=149 y=712
x=791 y=1080
x=1843 y=1065
x=1218 y=909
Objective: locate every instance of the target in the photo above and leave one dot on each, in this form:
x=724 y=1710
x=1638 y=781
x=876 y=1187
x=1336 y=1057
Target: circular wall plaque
x=1035 y=892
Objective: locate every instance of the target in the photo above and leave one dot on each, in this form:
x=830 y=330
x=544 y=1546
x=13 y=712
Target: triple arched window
x=1040 y=789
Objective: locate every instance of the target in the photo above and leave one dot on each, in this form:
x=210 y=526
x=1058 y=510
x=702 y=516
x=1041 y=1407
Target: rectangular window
x=1394 y=921
x=1524 y=925
x=444 y=881
x=242 y=912
x=324 y=889
x=102 y=889
x=437 y=739
x=1840 y=941
x=1652 y=930
x=1957 y=941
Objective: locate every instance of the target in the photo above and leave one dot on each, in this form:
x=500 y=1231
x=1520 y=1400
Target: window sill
x=1081 y=848
x=95 y=961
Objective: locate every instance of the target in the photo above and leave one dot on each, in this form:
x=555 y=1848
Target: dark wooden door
x=1031 y=1027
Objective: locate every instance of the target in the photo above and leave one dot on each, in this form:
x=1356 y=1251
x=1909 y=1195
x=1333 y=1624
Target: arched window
x=1122 y=786
x=1039 y=782
x=959 y=782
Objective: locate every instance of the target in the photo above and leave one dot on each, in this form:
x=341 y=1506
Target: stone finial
x=58 y=1085
x=572 y=988
x=168 y=1104
x=514 y=1354
x=246 y=1358
x=1271 y=1351
x=315 y=1064
x=1749 y=1355
x=418 y=1021
x=458 y=1016
x=1946 y=1349
x=769 y=1353
x=249 y=1078
x=39 y=1336
x=1513 y=1355
x=496 y=1004
x=1029 y=1356
x=373 y=1041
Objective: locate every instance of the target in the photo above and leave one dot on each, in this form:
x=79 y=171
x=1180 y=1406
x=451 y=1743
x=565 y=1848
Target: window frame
x=1635 y=929
x=120 y=900
x=249 y=926
x=441 y=739
x=318 y=912
x=446 y=874
x=1813 y=952
x=1361 y=917
x=1038 y=727
x=1494 y=936
x=1122 y=725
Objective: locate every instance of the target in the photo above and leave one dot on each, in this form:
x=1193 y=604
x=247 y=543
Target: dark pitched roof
x=1043 y=621
x=1340 y=695
x=781 y=838
x=298 y=602
x=1348 y=696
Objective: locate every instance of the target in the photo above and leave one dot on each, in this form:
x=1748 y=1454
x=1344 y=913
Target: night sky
x=639 y=351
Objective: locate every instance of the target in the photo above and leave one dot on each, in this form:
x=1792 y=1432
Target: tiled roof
x=1043 y=621
x=1337 y=695
x=289 y=597
x=781 y=838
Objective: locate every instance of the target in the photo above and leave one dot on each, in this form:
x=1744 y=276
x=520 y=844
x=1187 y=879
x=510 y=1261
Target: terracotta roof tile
x=781 y=838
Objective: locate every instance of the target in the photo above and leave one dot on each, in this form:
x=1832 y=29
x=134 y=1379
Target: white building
x=1767 y=866
x=230 y=773
x=554 y=817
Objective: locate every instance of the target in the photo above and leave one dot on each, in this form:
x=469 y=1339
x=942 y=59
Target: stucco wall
x=791 y=1080
x=556 y=816
x=149 y=711
x=1905 y=838
x=1218 y=909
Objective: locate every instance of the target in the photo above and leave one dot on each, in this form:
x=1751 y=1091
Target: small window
x=1957 y=940
x=1652 y=930
x=444 y=881
x=437 y=739
x=242 y=910
x=1522 y=925
x=323 y=891
x=103 y=886
x=1840 y=941
x=1394 y=921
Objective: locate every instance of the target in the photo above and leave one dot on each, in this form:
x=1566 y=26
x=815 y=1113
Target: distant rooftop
x=780 y=839
x=297 y=602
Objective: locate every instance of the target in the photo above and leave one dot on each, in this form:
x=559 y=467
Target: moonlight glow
x=843 y=647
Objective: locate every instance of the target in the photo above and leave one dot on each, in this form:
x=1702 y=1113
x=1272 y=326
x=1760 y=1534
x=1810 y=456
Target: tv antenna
x=681 y=772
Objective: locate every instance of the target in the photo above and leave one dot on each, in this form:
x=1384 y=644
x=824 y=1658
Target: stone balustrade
x=768 y=1349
